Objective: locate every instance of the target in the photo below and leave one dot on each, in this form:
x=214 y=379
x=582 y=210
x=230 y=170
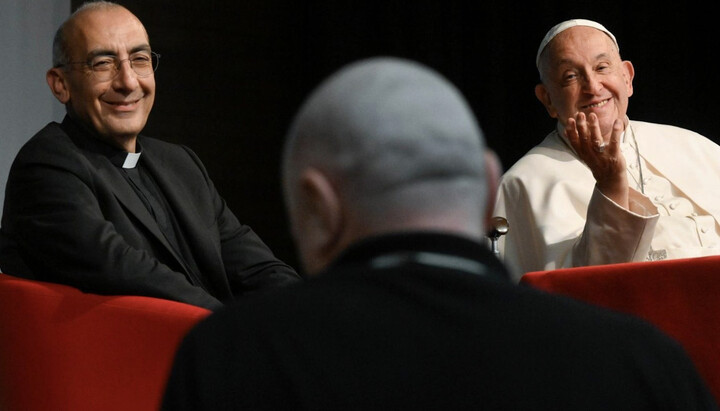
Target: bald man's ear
x=542 y=94
x=319 y=220
x=57 y=81
x=493 y=171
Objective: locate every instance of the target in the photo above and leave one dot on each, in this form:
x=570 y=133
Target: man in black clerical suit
x=93 y=204
x=388 y=188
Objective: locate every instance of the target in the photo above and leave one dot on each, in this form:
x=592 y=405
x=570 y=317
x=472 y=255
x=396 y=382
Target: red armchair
x=681 y=297
x=62 y=349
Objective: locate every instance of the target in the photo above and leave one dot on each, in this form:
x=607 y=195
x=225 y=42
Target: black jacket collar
x=364 y=251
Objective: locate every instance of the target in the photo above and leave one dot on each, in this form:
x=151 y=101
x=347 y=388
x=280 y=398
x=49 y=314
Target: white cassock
x=558 y=219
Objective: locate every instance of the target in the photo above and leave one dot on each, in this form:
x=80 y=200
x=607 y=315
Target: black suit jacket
x=71 y=217
x=427 y=321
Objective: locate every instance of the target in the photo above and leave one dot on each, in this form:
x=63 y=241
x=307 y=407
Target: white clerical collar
x=131 y=160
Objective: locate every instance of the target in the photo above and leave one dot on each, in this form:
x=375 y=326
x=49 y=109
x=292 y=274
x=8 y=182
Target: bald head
x=399 y=148
x=62 y=52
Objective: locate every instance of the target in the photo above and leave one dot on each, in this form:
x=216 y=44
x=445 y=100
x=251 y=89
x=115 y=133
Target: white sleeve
x=613 y=234
x=561 y=227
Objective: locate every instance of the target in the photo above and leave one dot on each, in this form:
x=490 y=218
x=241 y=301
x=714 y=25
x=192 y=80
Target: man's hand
x=604 y=158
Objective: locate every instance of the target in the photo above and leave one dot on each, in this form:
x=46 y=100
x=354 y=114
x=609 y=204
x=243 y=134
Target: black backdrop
x=232 y=73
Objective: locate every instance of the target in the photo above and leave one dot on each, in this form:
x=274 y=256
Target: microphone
x=498 y=227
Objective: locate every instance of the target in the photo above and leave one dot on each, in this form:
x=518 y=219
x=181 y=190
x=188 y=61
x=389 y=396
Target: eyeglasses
x=105 y=68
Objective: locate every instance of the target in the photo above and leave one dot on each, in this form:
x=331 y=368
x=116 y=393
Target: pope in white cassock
x=601 y=188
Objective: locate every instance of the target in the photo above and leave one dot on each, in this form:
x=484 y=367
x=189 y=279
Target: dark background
x=232 y=73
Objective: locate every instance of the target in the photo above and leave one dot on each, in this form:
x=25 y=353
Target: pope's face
x=118 y=108
x=583 y=72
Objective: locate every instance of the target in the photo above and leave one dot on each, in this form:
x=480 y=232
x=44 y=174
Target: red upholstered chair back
x=61 y=349
x=681 y=297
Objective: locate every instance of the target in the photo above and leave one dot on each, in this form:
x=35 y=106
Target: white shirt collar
x=131 y=160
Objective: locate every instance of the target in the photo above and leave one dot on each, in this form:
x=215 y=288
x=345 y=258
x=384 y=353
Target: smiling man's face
x=116 y=109
x=582 y=72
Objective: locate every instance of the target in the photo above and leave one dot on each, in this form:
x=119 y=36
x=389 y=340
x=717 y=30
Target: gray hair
x=61 y=48
x=397 y=138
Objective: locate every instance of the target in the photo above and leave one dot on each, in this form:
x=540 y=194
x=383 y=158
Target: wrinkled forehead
x=558 y=29
x=580 y=45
